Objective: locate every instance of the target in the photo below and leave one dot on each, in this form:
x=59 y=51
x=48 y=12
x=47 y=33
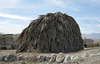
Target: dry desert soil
x=87 y=60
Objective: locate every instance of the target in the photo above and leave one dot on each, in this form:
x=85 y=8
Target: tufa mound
x=54 y=32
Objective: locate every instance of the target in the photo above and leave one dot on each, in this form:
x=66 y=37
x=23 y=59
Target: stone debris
x=72 y=57
x=91 y=55
x=67 y=58
x=41 y=58
x=21 y=57
x=76 y=58
x=2 y=58
x=98 y=53
x=47 y=58
x=85 y=55
x=53 y=57
x=22 y=62
x=60 y=57
x=10 y=58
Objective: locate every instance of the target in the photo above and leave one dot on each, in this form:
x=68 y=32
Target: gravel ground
x=91 y=60
x=88 y=60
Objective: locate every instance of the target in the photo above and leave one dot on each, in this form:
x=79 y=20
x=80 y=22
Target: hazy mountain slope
x=1 y=33
x=94 y=36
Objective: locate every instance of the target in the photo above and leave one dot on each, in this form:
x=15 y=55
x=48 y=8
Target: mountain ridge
x=94 y=36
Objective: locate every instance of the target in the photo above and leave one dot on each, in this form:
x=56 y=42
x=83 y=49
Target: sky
x=15 y=15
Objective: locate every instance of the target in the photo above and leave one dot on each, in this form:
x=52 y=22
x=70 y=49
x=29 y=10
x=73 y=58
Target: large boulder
x=54 y=32
x=8 y=41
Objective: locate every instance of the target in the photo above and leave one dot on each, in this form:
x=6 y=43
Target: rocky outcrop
x=54 y=32
x=8 y=41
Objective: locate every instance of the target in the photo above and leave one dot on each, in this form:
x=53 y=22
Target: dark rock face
x=8 y=41
x=54 y=32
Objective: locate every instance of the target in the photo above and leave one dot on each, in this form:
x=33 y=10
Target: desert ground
x=88 y=60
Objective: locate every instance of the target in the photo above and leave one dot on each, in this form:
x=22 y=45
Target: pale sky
x=15 y=15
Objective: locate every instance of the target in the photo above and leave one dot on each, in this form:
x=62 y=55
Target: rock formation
x=8 y=41
x=54 y=32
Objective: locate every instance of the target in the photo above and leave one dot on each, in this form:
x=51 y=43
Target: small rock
x=10 y=57
x=85 y=55
x=48 y=58
x=2 y=58
x=76 y=57
x=92 y=55
x=25 y=57
x=72 y=57
x=53 y=57
x=60 y=57
x=67 y=58
x=21 y=57
x=41 y=58
x=98 y=53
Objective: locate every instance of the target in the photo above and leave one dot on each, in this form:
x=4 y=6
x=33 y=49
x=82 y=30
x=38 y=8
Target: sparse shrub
x=96 y=43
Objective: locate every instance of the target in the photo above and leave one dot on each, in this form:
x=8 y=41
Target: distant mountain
x=94 y=36
x=1 y=33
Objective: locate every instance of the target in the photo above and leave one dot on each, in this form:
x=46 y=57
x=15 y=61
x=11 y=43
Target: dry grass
x=95 y=45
